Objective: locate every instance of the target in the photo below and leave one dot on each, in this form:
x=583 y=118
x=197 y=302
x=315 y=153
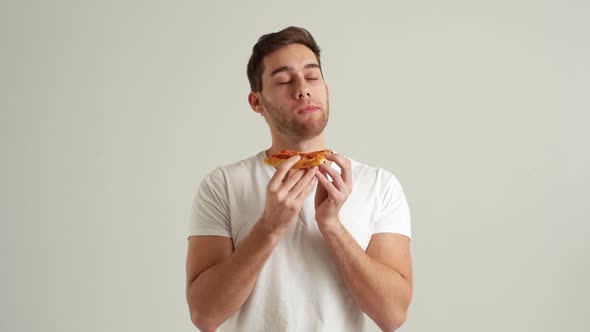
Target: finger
x=328 y=185
x=307 y=190
x=293 y=172
x=290 y=182
x=290 y=173
x=336 y=177
x=300 y=185
x=345 y=167
x=277 y=178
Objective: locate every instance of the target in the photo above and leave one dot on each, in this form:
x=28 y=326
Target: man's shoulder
x=238 y=168
x=248 y=163
x=366 y=172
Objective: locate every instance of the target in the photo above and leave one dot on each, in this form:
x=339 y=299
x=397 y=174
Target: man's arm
x=219 y=278
x=380 y=280
x=219 y=281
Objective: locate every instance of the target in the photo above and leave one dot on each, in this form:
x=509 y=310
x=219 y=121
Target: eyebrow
x=290 y=68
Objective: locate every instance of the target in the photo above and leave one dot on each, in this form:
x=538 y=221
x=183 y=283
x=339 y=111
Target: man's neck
x=308 y=145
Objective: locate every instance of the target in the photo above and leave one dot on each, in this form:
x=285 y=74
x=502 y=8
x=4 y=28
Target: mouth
x=308 y=109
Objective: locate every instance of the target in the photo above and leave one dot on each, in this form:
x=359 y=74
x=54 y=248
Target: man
x=297 y=250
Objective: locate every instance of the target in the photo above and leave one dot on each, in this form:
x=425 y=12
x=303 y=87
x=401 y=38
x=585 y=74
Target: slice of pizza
x=308 y=159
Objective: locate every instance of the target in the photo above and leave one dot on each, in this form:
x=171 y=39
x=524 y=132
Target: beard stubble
x=290 y=127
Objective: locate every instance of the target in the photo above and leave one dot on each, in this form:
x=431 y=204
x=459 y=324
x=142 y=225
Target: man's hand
x=285 y=194
x=220 y=277
x=331 y=195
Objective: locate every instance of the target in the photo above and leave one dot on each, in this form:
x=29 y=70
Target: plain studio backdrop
x=113 y=111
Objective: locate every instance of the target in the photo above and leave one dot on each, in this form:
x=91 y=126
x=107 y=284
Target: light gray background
x=113 y=111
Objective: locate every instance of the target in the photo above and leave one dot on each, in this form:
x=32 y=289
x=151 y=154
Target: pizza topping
x=308 y=159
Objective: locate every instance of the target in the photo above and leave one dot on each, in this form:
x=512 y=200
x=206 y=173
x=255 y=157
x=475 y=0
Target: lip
x=308 y=109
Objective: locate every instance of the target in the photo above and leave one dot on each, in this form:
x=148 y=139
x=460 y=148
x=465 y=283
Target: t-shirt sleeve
x=210 y=210
x=394 y=213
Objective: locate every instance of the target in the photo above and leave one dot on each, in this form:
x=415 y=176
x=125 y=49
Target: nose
x=302 y=90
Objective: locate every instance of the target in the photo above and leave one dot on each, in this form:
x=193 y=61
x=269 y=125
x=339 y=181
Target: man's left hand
x=331 y=195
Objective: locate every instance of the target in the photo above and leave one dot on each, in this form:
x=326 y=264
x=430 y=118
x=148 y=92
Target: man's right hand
x=220 y=277
x=285 y=195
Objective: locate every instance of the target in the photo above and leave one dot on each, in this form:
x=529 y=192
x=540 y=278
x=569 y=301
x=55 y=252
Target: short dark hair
x=273 y=41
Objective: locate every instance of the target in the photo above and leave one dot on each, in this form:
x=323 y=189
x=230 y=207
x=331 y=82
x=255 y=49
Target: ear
x=254 y=101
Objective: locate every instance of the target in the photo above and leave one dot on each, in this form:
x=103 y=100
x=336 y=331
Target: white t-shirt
x=300 y=287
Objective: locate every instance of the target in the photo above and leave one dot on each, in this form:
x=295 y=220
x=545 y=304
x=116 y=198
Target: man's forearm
x=221 y=290
x=379 y=290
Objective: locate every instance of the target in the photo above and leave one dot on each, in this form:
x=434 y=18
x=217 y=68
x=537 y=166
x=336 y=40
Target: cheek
x=275 y=96
x=271 y=106
x=322 y=93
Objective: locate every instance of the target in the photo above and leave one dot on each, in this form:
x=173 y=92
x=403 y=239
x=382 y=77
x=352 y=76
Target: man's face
x=294 y=97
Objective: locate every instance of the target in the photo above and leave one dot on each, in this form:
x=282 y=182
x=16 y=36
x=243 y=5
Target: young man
x=297 y=250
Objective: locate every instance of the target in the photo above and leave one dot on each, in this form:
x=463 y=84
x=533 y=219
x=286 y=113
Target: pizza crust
x=308 y=159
